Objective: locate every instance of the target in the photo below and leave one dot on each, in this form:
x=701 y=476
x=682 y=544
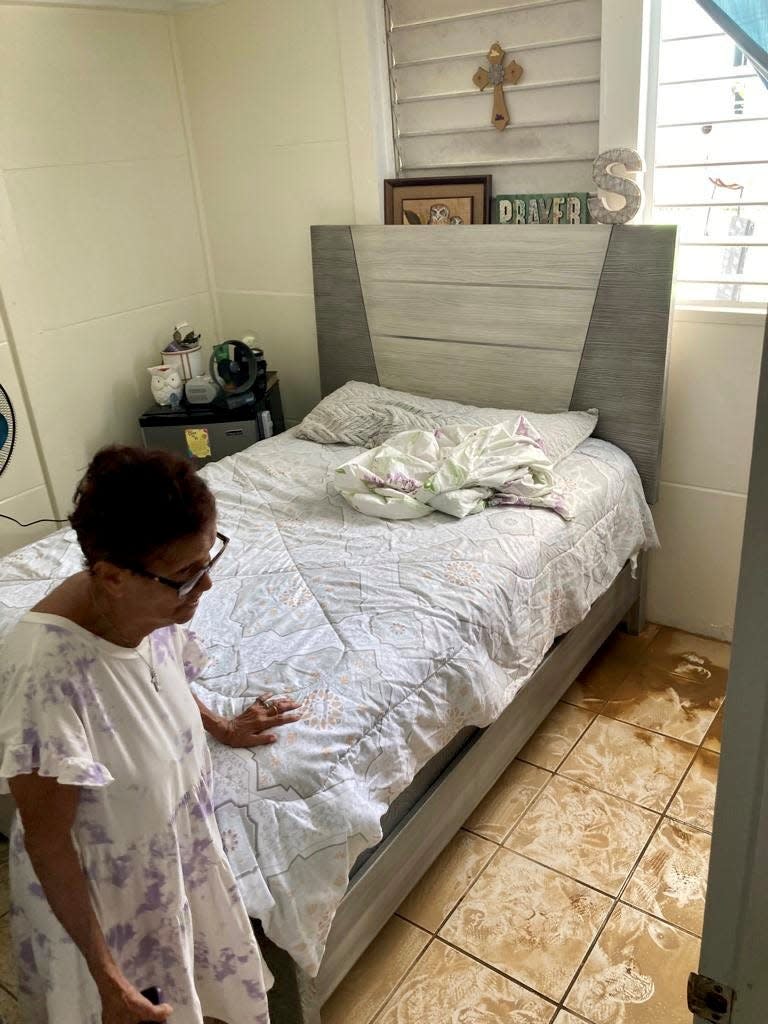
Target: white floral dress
x=84 y=711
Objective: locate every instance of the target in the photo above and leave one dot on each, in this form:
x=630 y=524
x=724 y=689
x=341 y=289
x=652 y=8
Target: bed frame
x=536 y=317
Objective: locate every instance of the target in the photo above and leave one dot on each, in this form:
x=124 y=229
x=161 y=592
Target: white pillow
x=365 y=415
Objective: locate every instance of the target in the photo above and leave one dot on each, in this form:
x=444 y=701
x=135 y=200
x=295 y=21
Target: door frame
x=735 y=934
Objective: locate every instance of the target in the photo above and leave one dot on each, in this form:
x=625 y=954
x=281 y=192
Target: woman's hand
x=121 y=1003
x=249 y=728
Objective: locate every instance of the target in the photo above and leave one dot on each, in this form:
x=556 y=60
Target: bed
x=426 y=652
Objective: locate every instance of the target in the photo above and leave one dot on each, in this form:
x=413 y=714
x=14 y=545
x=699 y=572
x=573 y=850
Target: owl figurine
x=167 y=386
x=441 y=214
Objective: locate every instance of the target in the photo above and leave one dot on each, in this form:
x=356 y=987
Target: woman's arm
x=47 y=810
x=248 y=728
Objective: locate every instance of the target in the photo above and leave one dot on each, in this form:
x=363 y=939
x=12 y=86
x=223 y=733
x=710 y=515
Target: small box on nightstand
x=206 y=433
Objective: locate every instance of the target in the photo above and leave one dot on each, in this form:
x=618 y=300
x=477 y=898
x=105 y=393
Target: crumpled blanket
x=459 y=469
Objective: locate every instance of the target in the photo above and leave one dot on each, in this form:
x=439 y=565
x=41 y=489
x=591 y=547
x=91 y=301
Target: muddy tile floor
x=575 y=891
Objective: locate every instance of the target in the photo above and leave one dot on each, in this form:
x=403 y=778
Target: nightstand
x=206 y=433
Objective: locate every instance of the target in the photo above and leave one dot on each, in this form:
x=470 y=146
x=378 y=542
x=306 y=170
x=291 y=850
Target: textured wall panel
x=531 y=24
x=623 y=368
x=343 y=341
x=442 y=306
x=547 y=104
x=486 y=375
x=445 y=77
x=548 y=143
x=543 y=256
x=496 y=315
x=436 y=47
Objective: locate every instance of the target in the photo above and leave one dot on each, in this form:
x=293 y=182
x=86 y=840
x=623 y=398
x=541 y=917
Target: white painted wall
x=101 y=243
x=23 y=491
x=282 y=107
x=714 y=370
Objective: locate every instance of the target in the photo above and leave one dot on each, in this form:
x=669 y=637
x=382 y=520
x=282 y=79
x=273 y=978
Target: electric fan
x=7 y=429
x=240 y=371
x=7 y=441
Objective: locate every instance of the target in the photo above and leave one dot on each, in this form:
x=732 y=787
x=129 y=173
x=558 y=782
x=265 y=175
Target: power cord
x=34 y=521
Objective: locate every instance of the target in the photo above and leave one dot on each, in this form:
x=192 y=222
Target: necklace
x=149 y=663
x=152 y=674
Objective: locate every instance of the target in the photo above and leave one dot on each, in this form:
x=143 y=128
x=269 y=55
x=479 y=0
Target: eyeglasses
x=187 y=586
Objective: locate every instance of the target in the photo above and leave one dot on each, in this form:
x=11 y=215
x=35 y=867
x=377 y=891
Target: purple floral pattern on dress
x=163 y=644
x=119 y=936
x=144 y=829
x=91 y=775
x=194 y=656
x=120 y=870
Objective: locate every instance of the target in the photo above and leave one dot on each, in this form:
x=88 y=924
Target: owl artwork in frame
x=451 y=210
x=441 y=202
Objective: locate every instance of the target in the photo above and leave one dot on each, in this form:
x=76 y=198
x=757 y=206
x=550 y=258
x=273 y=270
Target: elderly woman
x=119 y=881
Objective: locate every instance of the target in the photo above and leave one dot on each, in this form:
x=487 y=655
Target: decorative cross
x=498 y=76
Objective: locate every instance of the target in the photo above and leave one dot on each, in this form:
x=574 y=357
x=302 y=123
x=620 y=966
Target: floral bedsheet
x=459 y=469
x=394 y=635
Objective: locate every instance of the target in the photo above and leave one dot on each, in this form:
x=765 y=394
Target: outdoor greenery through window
x=711 y=160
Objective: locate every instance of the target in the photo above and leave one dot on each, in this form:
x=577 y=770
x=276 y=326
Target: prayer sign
x=566 y=208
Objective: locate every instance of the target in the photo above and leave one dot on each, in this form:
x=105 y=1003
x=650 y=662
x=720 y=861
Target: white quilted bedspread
x=395 y=635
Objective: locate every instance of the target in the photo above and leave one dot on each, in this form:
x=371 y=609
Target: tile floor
x=575 y=892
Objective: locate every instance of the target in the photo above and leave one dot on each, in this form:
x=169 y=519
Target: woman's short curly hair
x=133 y=502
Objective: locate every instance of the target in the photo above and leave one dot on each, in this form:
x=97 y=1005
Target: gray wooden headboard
x=538 y=317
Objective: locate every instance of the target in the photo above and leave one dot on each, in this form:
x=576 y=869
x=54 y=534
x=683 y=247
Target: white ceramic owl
x=167 y=386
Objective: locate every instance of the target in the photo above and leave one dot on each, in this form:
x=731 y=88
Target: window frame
x=703 y=310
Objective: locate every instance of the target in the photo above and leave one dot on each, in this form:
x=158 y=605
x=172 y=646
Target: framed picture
x=441 y=201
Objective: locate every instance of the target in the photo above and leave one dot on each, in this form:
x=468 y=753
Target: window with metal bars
x=710 y=160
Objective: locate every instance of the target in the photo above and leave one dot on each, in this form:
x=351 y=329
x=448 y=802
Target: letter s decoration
x=604 y=178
